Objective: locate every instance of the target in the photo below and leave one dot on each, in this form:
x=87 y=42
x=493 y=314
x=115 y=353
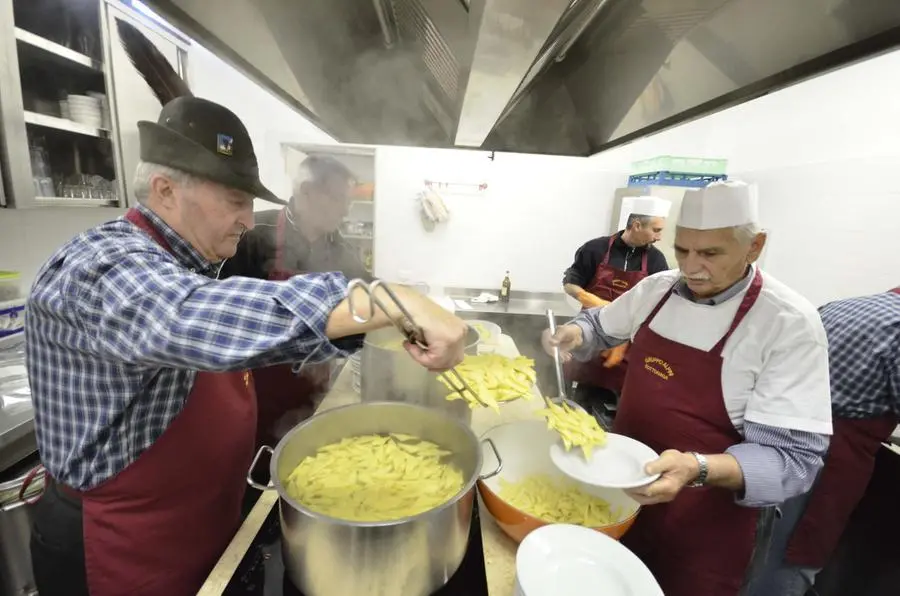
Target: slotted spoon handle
x=557 y=361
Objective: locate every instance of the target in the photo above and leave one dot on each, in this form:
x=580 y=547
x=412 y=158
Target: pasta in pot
x=375 y=478
x=558 y=501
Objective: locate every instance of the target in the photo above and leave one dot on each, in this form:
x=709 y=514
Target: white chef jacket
x=775 y=369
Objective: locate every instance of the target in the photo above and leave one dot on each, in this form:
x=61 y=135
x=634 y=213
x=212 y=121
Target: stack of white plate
x=86 y=110
x=577 y=561
x=355 y=364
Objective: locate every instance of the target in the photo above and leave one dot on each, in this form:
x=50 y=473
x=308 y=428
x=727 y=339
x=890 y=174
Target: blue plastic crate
x=683 y=179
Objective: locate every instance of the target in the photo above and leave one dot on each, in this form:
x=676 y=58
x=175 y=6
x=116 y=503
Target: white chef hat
x=645 y=205
x=724 y=204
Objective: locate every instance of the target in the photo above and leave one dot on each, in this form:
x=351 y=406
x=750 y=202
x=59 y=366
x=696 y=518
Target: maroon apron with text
x=608 y=283
x=839 y=488
x=159 y=526
x=701 y=542
x=278 y=389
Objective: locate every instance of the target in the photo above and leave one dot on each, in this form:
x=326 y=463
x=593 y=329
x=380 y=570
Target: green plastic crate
x=685 y=165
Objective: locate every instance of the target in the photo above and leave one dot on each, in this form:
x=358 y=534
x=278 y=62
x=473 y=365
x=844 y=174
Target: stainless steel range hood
x=569 y=77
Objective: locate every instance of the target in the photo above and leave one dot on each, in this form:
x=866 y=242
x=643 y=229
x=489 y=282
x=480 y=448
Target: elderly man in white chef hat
x=728 y=380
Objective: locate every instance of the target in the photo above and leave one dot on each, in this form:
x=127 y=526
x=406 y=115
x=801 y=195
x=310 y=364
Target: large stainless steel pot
x=413 y=556
x=18 y=488
x=389 y=374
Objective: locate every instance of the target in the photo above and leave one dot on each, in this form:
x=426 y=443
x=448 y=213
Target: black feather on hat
x=193 y=135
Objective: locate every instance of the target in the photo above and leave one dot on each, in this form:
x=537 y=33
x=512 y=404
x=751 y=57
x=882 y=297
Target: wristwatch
x=704 y=471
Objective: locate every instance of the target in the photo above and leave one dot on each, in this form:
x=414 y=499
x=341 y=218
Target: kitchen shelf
x=64 y=124
x=356 y=236
x=71 y=202
x=59 y=53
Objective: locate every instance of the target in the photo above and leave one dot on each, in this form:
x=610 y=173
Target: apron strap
x=608 y=250
x=279 y=240
x=644 y=259
x=659 y=305
x=745 y=306
x=140 y=220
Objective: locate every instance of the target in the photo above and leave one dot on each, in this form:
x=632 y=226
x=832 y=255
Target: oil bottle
x=505 y=288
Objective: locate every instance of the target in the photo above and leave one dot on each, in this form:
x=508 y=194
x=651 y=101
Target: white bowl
x=575 y=561
x=489 y=332
x=524 y=448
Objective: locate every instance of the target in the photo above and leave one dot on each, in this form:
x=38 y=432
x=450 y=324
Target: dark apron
x=160 y=525
x=702 y=542
x=608 y=283
x=279 y=390
x=839 y=488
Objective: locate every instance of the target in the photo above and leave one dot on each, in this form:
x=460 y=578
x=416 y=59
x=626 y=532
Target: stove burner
x=261 y=571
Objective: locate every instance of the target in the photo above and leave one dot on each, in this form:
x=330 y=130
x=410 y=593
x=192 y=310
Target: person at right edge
x=604 y=268
x=728 y=382
x=864 y=355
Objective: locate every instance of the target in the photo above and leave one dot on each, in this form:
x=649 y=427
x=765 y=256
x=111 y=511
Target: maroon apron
x=701 y=542
x=160 y=525
x=279 y=390
x=608 y=283
x=839 y=488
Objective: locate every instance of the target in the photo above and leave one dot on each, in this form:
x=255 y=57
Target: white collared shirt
x=775 y=368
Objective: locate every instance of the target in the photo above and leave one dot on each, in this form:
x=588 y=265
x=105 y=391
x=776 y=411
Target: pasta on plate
x=375 y=478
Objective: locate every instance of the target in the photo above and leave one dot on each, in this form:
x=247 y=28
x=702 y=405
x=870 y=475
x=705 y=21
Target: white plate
x=572 y=560
x=488 y=332
x=618 y=464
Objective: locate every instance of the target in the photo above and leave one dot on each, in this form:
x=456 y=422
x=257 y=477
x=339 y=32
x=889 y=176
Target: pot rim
x=282 y=493
x=478 y=339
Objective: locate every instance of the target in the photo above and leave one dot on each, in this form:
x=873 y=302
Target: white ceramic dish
x=524 y=447
x=618 y=464
x=575 y=561
x=489 y=332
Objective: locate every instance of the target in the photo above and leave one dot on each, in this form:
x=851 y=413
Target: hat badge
x=224 y=144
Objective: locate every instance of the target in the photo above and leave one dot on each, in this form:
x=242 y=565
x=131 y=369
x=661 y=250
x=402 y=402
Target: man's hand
x=614 y=356
x=677 y=470
x=444 y=332
x=567 y=338
x=588 y=300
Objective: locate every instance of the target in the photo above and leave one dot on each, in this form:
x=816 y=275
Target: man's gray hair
x=318 y=169
x=145 y=171
x=747 y=232
x=643 y=219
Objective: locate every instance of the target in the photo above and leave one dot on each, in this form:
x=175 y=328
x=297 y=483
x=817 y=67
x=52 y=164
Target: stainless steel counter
x=520 y=303
x=17 y=439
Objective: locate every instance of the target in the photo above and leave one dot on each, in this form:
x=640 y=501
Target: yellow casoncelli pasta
x=494 y=379
x=375 y=478
x=576 y=427
x=558 y=501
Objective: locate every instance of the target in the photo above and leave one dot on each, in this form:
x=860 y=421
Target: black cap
x=204 y=139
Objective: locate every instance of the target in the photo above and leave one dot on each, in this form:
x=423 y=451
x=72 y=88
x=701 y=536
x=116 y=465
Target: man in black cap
x=139 y=358
x=302 y=237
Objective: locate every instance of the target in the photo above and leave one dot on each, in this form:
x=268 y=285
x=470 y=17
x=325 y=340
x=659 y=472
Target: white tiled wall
x=28 y=237
x=832 y=226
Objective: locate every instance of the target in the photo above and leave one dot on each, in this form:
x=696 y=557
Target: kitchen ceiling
x=571 y=77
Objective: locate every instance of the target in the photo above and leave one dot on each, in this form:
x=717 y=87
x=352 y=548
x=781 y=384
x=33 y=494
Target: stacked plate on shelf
x=89 y=110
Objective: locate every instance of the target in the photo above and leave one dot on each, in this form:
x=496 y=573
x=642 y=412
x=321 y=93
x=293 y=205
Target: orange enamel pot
x=524 y=448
